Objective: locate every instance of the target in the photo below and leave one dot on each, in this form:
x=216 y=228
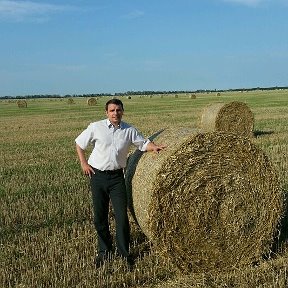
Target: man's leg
x=119 y=202
x=100 y=199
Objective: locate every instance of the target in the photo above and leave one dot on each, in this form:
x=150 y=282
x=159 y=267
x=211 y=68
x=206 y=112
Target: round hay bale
x=70 y=101
x=92 y=101
x=234 y=117
x=22 y=103
x=192 y=96
x=208 y=202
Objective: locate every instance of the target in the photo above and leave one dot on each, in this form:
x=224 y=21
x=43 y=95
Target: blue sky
x=80 y=47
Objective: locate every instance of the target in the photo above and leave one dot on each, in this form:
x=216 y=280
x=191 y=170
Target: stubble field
x=47 y=236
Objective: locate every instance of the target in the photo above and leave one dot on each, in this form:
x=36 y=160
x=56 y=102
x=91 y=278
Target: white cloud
x=134 y=14
x=69 y=67
x=256 y=3
x=247 y=2
x=23 y=10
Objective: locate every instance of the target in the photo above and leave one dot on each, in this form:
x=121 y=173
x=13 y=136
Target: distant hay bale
x=208 y=202
x=70 y=101
x=92 y=101
x=128 y=97
x=22 y=103
x=218 y=94
x=192 y=96
x=234 y=117
x=176 y=96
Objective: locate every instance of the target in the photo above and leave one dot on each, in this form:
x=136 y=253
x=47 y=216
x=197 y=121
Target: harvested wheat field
x=47 y=237
x=209 y=202
x=234 y=117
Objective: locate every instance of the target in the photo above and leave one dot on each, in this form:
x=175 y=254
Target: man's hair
x=114 y=101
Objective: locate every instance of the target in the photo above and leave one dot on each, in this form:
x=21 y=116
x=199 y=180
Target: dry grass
x=46 y=234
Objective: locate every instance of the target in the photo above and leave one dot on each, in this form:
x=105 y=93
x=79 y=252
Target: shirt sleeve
x=139 y=141
x=144 y=147
x=85 y=138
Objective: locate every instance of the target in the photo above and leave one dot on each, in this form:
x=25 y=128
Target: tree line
x=145 y=92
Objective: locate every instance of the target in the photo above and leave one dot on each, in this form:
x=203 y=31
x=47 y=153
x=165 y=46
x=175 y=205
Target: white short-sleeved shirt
x=111 y=144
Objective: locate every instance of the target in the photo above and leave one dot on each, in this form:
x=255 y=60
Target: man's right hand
x=87 y=169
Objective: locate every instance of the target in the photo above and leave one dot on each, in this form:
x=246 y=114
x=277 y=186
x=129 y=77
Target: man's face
x=114 y=114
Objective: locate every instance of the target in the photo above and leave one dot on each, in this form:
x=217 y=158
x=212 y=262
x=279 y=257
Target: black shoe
x=130 y=262
x=100 y=259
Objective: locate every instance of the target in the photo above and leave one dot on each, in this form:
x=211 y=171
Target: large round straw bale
x=234 y=117
x=70 y=100
x=92 y=101
x=22 y=103
x=208 y=202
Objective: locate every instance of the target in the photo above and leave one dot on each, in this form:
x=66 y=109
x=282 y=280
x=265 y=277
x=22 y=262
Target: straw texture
x=92 y=101
x=22 y=103
x=210 y=201
x=234 y=117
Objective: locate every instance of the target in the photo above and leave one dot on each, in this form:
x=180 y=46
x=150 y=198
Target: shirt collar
x=111 y=125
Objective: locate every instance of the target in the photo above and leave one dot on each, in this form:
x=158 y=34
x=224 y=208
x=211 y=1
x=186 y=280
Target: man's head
x=114 y=101
x=114 y=111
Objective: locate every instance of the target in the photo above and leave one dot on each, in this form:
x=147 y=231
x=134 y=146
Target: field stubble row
x=47 y=235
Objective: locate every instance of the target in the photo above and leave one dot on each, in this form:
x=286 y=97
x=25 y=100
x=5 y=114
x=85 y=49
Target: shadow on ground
x=282 y=232
x=258 y=133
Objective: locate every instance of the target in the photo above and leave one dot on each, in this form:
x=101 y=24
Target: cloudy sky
x=95 y=46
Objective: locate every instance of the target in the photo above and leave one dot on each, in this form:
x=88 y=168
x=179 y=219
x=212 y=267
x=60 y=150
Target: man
x=111 y=139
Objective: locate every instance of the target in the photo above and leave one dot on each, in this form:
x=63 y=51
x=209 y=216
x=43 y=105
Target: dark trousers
x=106 y=187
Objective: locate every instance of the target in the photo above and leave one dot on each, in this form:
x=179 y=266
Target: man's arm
x=86 y=168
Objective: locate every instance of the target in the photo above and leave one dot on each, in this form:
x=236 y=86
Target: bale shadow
x=140 y=244
x=258 y=133
x=282 y=232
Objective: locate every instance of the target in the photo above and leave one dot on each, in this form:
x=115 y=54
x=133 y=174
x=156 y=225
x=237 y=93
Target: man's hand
x=155 y=148
x=87 y=169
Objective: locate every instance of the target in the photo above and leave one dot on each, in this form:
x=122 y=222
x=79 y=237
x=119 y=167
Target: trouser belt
x=110 y=172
